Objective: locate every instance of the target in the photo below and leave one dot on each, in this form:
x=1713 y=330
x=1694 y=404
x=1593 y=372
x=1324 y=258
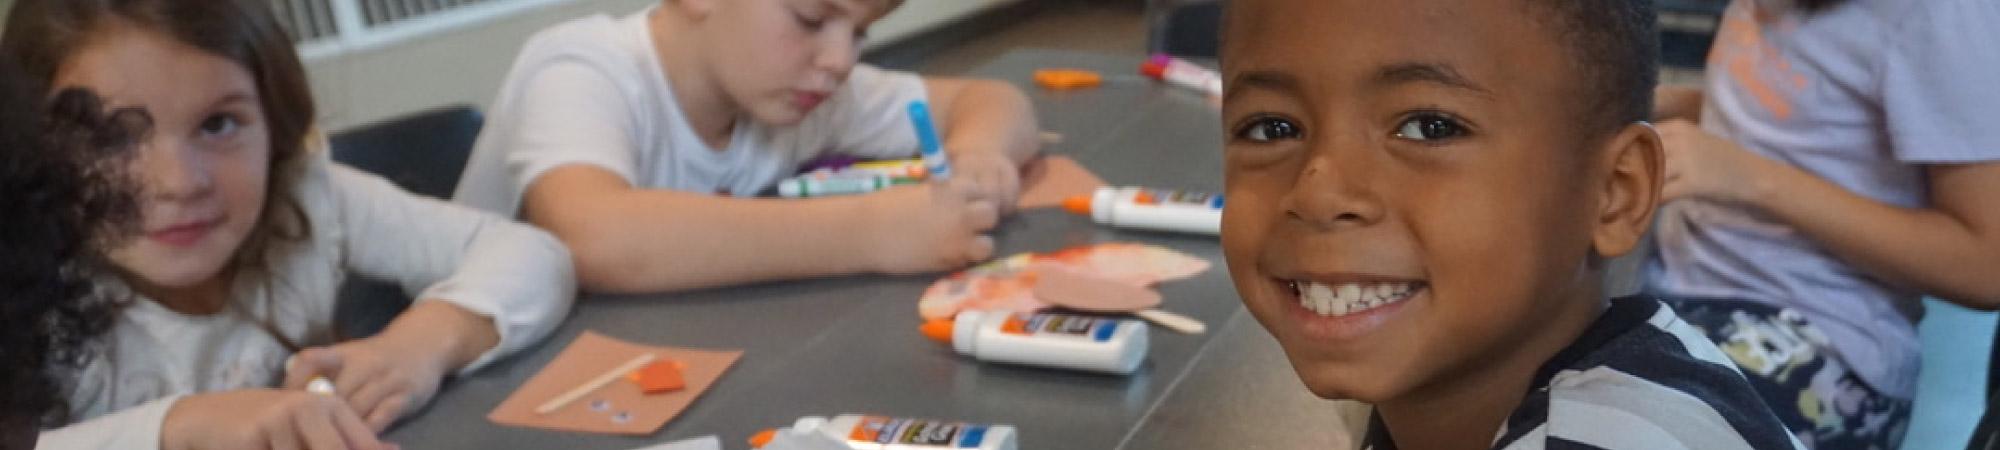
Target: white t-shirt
x=592 y=91
x=361 y=225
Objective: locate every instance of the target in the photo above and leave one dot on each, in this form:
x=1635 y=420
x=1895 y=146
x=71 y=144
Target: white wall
x=465 y=66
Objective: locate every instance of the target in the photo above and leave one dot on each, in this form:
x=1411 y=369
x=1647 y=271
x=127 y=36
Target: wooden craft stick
x=1176 y=322
x=595 y=383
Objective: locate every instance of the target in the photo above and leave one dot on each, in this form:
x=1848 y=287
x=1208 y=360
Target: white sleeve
x=137 y=427
x=869 y=114
x=518 y=275
x=569 y=112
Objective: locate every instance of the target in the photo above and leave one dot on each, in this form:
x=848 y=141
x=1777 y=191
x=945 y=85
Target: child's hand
x=1703 y=165
x=995 y=176
x=379 y=379
x=931 y=227
x=258 y=419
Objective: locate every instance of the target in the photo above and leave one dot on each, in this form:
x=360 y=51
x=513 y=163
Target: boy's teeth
x=1349 y=298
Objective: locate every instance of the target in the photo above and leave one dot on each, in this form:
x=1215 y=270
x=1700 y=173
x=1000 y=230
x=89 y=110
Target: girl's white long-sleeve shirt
x=361 y=225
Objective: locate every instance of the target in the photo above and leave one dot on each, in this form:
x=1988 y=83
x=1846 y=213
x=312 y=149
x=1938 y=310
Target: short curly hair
x=65 y=198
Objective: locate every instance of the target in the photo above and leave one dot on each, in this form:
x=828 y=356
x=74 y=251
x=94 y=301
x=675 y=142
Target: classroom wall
x=466 y=66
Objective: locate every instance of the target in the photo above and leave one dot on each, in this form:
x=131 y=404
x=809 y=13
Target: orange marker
x=1065 y=79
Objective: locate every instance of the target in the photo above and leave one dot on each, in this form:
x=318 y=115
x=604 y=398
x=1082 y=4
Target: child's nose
x=837 y=55
x=176 y=170
x=1332 y=192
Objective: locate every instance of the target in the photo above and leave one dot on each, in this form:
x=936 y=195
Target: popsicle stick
x=1176 y=322
x=595 y=383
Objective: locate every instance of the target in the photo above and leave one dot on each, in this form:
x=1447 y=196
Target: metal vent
x=379 y=12
x=307 y=20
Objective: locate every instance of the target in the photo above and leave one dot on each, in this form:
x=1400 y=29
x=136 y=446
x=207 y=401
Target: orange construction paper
x=658 y=377
x=1046 y=181
x=1060 y=286
x=592 y=355
x=1008 y=284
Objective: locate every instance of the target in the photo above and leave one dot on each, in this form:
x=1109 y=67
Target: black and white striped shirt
x=1638 y=378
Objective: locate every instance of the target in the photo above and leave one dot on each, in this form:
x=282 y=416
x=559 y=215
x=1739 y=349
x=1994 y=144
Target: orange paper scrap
x=1046 y=181
x=658 y=377
x=618 y=408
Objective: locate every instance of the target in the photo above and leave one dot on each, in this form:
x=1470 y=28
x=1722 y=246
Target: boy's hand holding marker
x=930 y=227
x=937 y=225
x=994 y=176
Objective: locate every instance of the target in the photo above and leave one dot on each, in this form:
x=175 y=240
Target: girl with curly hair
x=247 y=229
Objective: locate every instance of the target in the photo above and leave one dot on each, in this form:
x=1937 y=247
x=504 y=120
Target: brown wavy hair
x=41 y=35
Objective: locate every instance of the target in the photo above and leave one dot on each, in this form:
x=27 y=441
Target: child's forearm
x=455 y=335
x=1677 y=102
x=1950 y=250
x=986 y=115
x=627 y=240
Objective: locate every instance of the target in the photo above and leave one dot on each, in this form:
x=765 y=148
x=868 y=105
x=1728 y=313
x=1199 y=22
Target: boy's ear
x=1631 y=191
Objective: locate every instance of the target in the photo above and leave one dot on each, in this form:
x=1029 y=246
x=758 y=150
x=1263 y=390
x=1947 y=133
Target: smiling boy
x=1423 y=195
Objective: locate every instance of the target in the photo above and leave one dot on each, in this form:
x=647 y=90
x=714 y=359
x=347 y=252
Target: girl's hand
x=378 y=378
x=257 y=419
x=1703 y=165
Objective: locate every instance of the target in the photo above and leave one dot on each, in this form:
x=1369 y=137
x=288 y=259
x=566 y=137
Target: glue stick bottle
x=855 y=431
x=1181 y=72
x=1064 y=341
x=1151 y=209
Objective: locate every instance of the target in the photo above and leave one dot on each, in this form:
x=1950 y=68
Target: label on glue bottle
x=856 y=432
x=1094 y=329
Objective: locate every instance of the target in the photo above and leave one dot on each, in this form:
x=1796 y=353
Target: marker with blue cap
x=929 y=146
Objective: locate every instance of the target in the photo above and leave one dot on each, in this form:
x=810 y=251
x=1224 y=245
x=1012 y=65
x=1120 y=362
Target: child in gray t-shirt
x=1844 y=166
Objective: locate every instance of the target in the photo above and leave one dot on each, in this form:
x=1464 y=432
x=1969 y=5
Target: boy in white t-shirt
x=641 y=140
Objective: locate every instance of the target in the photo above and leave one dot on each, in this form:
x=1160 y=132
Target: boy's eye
x=1267 y=128
x=219 y=125
x=1430 y=127
x=812 y=23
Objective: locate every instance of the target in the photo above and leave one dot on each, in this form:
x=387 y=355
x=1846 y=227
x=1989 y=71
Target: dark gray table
x=831 y=346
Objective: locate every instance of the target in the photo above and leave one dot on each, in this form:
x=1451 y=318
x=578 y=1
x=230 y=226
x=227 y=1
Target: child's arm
x=485 y=287
x=1677 y=102
x=1950 y=250
x=249 y=418
x=631 y=240
x=990 y=129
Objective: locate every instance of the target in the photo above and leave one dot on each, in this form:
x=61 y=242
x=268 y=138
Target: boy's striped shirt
x=1638 y=378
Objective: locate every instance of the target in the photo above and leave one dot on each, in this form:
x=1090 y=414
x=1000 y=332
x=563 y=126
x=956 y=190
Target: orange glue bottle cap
x=1078 y=204
x=939 y=330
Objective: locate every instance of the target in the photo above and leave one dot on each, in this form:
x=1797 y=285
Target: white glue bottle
x=1063 y=341
x=1151 y=209
x=856 y=432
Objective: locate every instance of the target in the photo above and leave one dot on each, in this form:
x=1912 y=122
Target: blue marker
x=929 y=145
